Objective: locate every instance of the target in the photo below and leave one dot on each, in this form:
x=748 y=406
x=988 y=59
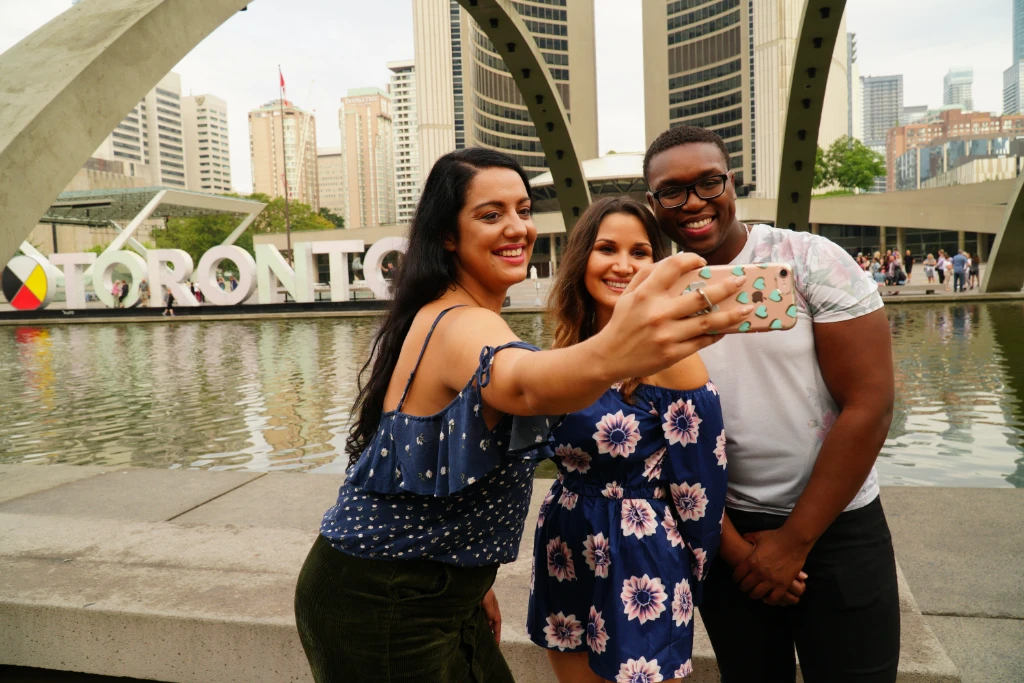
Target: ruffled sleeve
x=695 y=473
x=442 y=454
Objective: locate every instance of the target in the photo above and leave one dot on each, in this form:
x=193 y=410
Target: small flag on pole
x=281 y=74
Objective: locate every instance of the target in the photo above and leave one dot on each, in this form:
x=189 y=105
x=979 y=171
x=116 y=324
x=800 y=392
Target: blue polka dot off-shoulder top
x=443 y=487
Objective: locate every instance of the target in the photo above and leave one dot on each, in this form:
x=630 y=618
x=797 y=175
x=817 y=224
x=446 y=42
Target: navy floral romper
x=627 y=532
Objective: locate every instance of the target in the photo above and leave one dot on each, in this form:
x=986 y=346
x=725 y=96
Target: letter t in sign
x=336 y=250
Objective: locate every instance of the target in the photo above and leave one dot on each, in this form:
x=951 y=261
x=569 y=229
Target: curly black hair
x=682 y=135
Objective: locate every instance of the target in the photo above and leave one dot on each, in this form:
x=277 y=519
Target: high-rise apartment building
x=439 y=91
x=292 y=157
x=368 y=161
x=698 y=61
x=486 y=108
x=152 y=134
x=853 y=89
x=956 y=88
x=883 y=104
x=331 y=174
x=1018 y=30
x=913 y=114
x=776 y=26
x=1013 y=87
x=207 y=154
x=406 y=138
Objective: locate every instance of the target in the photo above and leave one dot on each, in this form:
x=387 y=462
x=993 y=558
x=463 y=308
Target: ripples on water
x=275 y=395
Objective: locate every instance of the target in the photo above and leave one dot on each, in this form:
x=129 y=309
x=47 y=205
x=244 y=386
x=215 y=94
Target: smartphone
x=769 y=288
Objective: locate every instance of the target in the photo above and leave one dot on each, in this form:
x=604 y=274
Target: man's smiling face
x=699 y=225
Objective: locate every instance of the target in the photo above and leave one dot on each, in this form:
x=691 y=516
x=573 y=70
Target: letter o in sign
x=374 y=257
x=206 y=275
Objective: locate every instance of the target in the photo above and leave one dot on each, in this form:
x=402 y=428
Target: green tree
x=852 y=164
x=302 y=216
x=338 y=221
x=199 y=234
x=821 y=170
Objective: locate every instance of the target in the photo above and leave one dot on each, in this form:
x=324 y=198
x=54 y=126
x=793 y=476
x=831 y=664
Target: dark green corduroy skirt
x=374 y=621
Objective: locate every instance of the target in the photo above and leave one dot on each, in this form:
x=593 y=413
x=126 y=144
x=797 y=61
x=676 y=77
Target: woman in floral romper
x=626 y=533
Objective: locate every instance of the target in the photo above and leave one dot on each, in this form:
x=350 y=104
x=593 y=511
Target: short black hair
x=682 y=135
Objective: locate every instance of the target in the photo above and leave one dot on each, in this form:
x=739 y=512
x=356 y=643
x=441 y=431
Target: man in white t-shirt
x=806 y=413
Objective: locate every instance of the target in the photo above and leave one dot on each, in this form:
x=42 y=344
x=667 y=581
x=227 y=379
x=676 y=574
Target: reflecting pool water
x=275 y=395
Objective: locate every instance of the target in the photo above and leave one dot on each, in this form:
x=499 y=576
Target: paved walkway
x=189 y=576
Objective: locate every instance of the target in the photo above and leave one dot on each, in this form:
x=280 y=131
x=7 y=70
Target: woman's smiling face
x=496 y=231
x=620 y=249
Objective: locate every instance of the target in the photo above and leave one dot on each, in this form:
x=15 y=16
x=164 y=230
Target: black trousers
x=846 y=627
x=403 y=621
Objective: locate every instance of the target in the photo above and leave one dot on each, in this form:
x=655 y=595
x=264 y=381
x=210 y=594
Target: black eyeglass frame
x=692 y=187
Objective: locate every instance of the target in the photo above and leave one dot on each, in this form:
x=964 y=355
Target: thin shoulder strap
x=423 y=350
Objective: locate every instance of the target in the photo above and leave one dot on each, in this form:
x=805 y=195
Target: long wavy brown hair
x=571 y=305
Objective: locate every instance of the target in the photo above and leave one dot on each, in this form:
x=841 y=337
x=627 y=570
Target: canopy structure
x=100 y=207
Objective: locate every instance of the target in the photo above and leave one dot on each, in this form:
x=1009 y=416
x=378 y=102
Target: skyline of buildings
x=723 y=64
x=290 y=160
x=952 y=146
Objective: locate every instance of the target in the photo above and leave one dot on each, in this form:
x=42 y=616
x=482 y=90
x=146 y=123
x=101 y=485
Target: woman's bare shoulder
x=689 y=373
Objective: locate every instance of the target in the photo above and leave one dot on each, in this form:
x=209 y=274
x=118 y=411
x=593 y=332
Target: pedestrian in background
x=144 y=292
x=877 y=272
x=929 y=268
x=940 y=267
x=169 y=300
x=959 y=271
x=908 y=265
x=975 y=278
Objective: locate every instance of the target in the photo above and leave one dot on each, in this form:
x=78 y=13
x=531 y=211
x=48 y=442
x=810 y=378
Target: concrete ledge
x=21 y=480
x=110 y=588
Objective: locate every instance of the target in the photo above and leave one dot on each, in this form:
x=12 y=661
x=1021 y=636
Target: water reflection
x=275 y=395
x=957 y=419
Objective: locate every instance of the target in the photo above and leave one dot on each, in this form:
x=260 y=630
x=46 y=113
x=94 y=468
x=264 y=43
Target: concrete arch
x=1005 y=271
x=818 y=33
x=501 y=22
x=66 y=86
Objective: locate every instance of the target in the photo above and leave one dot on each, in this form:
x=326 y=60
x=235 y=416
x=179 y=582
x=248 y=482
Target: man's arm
x=855 y=357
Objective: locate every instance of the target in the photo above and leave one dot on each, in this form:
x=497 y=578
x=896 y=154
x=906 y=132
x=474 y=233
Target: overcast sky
x=326 y=47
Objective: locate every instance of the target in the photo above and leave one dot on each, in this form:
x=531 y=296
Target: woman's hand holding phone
x=655 y=325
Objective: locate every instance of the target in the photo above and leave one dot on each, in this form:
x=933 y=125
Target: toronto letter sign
x=29 y=281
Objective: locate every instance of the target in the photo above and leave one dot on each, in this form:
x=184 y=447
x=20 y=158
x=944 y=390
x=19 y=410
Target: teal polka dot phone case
x=769 y=288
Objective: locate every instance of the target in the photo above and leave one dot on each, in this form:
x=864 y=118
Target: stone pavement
x=189 y=576
x=961 y=551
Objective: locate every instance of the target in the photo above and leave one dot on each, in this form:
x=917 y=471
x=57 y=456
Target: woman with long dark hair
x=397 y=585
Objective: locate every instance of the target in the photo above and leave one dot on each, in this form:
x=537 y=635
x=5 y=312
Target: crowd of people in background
x=121 y=288
x=958 y=273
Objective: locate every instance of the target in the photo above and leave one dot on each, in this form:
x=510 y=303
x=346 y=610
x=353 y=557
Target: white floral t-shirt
x=776 y=406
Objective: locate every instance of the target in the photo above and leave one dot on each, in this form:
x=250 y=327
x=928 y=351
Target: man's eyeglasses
x=706 y=188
